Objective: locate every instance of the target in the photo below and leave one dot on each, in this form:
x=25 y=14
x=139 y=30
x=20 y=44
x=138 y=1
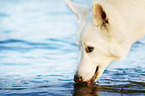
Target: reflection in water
x=85 y=90
x=82 y=89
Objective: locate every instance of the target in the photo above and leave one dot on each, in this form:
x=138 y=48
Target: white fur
x=113 y=42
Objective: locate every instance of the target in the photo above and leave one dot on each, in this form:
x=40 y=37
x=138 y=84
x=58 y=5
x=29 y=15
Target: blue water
x=39 y=55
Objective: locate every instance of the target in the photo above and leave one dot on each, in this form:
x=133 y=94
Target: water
x=39 y=55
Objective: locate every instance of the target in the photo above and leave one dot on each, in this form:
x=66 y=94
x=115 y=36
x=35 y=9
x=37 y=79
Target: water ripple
x=53 y=44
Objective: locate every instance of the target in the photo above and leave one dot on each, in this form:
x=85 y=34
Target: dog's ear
x=80 y=10
x=100 y=17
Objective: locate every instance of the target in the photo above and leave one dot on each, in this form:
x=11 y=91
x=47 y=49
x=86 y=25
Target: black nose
x=77 y=78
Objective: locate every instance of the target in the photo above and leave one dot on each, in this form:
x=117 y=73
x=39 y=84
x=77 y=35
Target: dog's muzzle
x=79 y=79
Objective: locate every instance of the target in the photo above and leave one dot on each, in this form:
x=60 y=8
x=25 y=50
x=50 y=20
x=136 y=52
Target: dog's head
x=99 y=39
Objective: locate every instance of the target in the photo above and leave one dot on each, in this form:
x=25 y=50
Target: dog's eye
x=89 y=49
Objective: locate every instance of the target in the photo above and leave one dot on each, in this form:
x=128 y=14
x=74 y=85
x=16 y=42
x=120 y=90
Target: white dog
x=107 y=32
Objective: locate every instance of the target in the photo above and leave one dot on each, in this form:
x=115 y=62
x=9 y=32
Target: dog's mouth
x=94 y=76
